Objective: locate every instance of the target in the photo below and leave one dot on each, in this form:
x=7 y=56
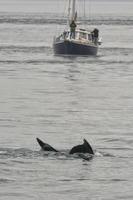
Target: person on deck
x=72 y=29
x=95 y=35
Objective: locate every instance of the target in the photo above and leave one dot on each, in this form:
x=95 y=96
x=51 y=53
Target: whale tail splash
x=83 y=148
x=45 y=146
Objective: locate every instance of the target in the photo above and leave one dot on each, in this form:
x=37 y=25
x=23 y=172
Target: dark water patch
x=117 y=148
x=25 y=49
x=127 y=196
x=34 y=62
x=66 y=180
x=113 y=140
x=73 y=180
x=5 y=180
x=119 y=140
x=105 y=154
x=14 y=195
x=1 y=162
x=118 y=180
x=7 y=153
x=115 y=180
x=101 y=59
x=118 y=49
x=6 y=122
x=29 y=62
x=106 y=55
x=52 y=18
x=27 y=20
x=117 y=152
x=122 y=22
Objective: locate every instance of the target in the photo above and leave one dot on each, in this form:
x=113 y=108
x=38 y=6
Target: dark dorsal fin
x=88 y=147
x=83 y=148
x=45 y=146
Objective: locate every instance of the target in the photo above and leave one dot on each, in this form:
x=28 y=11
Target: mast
x=69 y=10
x=72 y=14
x=73 y=10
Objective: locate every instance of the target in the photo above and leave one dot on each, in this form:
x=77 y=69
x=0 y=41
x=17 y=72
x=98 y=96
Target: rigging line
x=65 y=8
x=58 y=16
x=90 y=11
x=61 y=5
x=84 y=19
x=66 y=11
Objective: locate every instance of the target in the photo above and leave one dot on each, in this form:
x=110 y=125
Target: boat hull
x=74 y=48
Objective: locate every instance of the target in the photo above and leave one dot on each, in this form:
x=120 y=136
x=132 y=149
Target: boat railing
x=80 y=35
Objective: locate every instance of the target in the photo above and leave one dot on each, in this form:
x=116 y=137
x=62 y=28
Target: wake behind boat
x=76 y=41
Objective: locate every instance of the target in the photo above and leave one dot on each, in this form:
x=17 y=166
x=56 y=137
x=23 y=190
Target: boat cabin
x=80 y=35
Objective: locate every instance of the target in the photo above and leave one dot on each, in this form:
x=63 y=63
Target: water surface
x=63 y=100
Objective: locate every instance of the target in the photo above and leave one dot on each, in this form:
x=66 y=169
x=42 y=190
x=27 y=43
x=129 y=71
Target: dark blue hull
x=73 y=48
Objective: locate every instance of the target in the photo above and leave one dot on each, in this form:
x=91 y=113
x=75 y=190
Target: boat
x=75 y=40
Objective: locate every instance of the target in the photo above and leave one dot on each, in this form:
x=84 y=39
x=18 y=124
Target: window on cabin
x=82 y=35
x=89 y=37
x=76 y=35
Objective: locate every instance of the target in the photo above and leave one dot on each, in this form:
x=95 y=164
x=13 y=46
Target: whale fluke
x=83 y=148
x=45 y=146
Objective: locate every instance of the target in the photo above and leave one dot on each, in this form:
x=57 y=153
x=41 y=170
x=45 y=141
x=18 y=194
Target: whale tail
x=88 y=147
x=45 y=146
x=83 y=148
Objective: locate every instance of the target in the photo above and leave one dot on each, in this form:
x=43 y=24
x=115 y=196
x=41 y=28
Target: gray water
x=63 y=100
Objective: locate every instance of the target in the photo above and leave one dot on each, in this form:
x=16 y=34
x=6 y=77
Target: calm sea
x=63 y=100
